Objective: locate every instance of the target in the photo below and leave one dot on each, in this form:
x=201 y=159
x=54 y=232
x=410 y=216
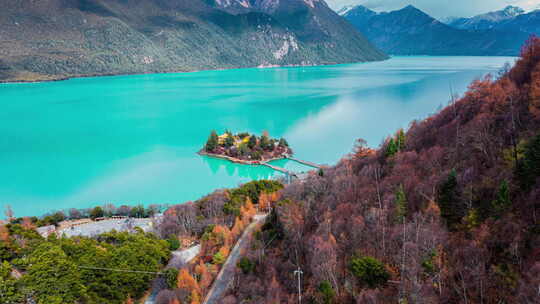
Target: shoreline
x=36 y=81
x=52 y=78
x=240 y=161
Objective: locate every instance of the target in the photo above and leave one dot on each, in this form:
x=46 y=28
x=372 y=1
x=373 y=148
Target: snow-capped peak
x=512 y=11
x=344 y=10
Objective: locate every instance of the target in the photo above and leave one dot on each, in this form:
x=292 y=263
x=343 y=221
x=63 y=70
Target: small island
x=246 y=148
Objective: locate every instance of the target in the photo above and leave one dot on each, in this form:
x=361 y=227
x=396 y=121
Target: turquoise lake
x=133 y=139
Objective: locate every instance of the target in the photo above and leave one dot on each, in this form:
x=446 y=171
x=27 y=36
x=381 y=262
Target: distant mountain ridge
x=488 y=20
x=52 y=39
x=529 y=23
x=410 y=31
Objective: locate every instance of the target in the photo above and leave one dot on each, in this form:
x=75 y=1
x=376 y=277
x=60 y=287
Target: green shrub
x=174 y=243
x=369 y=271
x=328 y=293
x=428 y=263
x=246 y=265
x=171 y=275
x=218 y=259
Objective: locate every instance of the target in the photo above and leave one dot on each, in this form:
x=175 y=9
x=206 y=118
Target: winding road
x=228 y=270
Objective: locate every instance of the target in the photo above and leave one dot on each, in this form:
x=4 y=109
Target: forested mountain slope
x=446 y=212
x=52 y=39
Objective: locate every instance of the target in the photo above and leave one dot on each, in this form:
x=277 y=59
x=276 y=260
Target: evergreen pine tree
x=252 y=141
x=448 y=200
x=502 y=201
x=212 y=142
x=528 y=169
x=401 y=140
x=401 y=204
x=265 y=143
x=391 y=148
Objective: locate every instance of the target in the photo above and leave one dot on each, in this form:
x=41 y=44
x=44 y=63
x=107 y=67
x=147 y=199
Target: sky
x=441 y=8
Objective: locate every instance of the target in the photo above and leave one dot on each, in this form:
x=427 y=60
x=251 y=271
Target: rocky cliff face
x=51 y=39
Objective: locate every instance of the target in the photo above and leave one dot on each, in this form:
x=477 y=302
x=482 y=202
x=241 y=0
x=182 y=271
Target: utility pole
x=299 y=272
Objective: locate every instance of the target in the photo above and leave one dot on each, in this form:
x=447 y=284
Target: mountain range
x=410 y=31
x=54 y=39
x=488 y=20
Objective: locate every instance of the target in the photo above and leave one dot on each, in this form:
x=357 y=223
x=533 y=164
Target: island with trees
x=246 y=148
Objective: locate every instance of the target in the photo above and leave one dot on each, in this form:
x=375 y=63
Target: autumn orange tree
x=534 y=94
x=222 y=235
x=189 y=284
x=27 y=223
x=5 y=244
x=247 y=213
x=4 y=234
x=237 y=228
x=211 y=241
x=204 y=275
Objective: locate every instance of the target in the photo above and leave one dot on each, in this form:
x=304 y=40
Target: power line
x=120 y=270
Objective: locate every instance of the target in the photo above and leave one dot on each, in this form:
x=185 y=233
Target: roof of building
x=45 y=231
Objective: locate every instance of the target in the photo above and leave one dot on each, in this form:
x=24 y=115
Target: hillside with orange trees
x=445 y=212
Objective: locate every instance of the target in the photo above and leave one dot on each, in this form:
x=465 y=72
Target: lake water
x=133 y=139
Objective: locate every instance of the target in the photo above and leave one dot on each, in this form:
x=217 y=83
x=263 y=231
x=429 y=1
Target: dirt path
x=227 y=271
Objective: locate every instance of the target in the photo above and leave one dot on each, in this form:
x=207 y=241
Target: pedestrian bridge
x=290 y=175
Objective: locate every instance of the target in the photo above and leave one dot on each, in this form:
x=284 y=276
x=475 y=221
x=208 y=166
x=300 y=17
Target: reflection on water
x=249 y=172
x=133 y=139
